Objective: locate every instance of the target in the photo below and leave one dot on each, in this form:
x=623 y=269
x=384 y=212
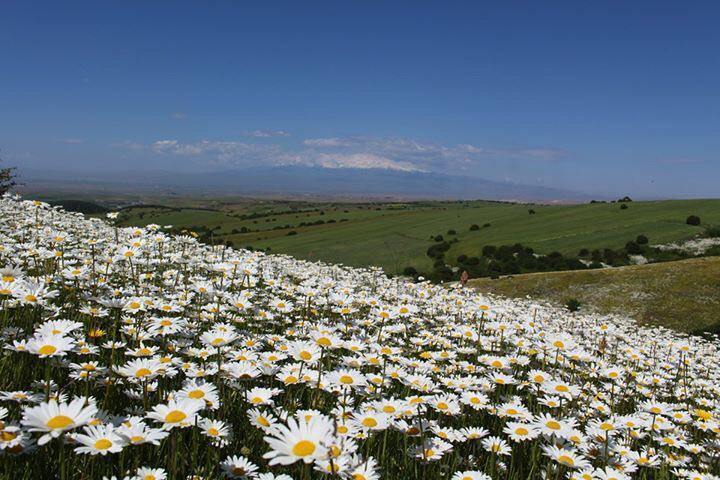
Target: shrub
x=531 y=211
x=633 y=248
x=451 y=232
x=623 y=206
x=584 y=252
x=486 y=225
x=573 y=304
x=474 y=227
x=472 y=261
x=438 y=250
x=489 y=251
x=462 y=258
x=291 y=232
x=693 y=220
x=713 y=232
x=438 y=238
x=641 y=240
x=410 y=271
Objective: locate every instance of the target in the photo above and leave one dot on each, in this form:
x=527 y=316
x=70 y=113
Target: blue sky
x=600 y=97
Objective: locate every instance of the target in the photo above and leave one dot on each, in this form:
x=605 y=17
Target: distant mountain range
x=303 y=181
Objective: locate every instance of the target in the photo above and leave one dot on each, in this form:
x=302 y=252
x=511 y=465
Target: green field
x=684 y=295
x=394 y=236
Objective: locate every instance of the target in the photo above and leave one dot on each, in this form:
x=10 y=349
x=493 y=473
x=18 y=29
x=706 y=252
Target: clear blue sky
x=603 y=97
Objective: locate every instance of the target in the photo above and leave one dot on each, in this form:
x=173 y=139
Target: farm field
x=396 y=235
x=684 y=295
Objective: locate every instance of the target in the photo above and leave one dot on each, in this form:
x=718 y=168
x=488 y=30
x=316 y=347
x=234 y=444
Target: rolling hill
x=684 y=295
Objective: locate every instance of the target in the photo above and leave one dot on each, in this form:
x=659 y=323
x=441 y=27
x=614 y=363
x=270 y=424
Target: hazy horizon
x=605 y=99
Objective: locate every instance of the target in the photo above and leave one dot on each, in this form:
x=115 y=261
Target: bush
x=623 y=206
x=472 y=261
x=584 y=252
x=713 y=232
x=641 y=240
x=531 y=211
x=438 y=238
x=693 y=220
x=438 y=250
x=633 y=248
x=291 y=233
x=451 y=232
x=486 y=225
x=474 y=227
x=573 y=304
x=462 y=258
x=410 y=271
x=489 y=251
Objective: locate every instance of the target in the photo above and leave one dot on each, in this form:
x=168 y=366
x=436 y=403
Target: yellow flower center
x=521 y=431
x=369 y=422
x=346 y=380
x=47 y=350
x=305 y=355
x=553 y=425
x=303 y=448
x=566 y=460
x=175 y=416
x=196 y=394
x=103 y=444
x=143 y=372
x=59 y=421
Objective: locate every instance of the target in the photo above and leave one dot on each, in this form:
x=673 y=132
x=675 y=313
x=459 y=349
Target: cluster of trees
x=514 y=259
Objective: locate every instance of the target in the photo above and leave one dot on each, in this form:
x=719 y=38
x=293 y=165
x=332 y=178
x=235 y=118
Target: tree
x=633 y=248
x=642 y=240
x=474 y=227
x=410 y=271
x=7 y=178
x=693 y=220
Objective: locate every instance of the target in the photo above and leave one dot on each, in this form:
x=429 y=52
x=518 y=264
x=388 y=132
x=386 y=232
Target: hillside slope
x=683 y=295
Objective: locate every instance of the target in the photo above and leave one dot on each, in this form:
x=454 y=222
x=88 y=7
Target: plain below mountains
x=314 y=181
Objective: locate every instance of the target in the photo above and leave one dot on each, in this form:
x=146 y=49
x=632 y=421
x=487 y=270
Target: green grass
x=684 y=295
x=394 y=236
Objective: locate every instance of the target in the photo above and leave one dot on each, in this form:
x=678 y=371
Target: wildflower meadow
x=132 y=353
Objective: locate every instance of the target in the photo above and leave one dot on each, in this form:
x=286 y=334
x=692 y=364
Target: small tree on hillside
x=693 y=220
x=7 y=178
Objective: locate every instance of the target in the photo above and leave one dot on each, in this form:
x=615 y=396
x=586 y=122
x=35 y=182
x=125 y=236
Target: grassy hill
x=684 y=295
x=395 y=235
